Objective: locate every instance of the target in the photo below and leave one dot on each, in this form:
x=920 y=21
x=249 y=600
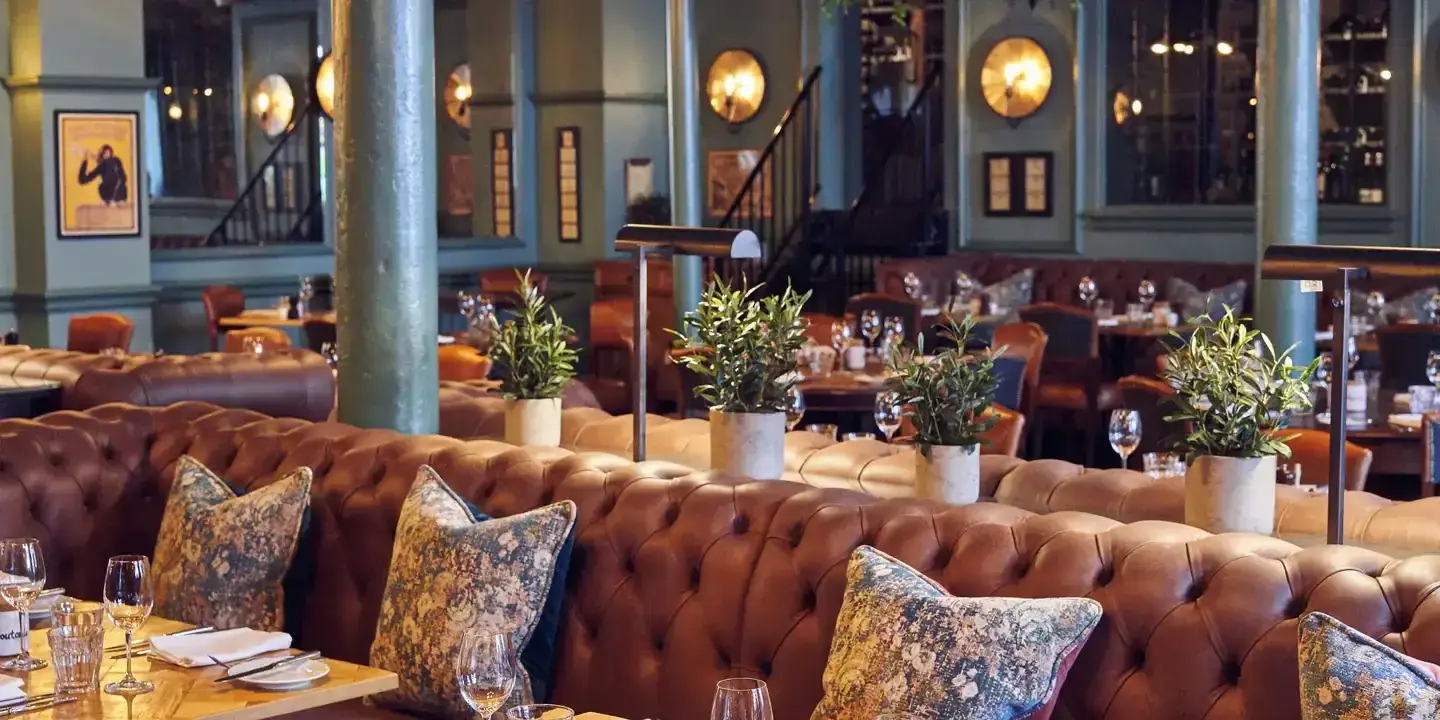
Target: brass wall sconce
x=324 y=85
x=1125 y=107
x=736 y=86
x=457 y=96
x=273 y=105
x=1015 y=78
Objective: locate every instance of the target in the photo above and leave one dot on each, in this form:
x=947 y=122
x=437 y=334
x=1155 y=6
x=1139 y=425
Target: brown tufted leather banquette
x=681 y=579
x=283 y=383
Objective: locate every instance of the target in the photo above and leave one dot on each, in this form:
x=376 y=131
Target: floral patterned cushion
x=1344 y=673
x=221 y=559
x=1191 y=302
x=451 y=571
x=902 y=644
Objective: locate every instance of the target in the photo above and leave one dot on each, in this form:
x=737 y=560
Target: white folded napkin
x=10 y=688
x=1407 y=420
x=226 y=645
x=1108 y=322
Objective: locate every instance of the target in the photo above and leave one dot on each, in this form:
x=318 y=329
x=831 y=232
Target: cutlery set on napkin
x=244 y=653
x=14 y=701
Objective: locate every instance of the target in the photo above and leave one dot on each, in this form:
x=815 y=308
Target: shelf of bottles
x=888 y=39
x=1354 y=80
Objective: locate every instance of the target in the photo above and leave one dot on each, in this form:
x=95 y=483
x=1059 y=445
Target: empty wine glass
x=129 y=595
x=1432 y=367
x=253 y=344
x=888 y=411
x=331 y=354
x=1124 y=433
x=794 y=407
x=1352 y=354
x=1375 y=304
x=1146 y=293
x=22 y=577
x=870 y=326
x=741 y=699
x=1088 y=291
x=1432 y=309
x=913 y=286
x=840 y=334
x=485 y=670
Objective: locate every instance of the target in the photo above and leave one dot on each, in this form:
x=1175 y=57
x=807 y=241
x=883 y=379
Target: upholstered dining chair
x=1150 y=398
x=463 y=362
x=888 y=306
x=96 y=333
x=1003 y=438
x=220 y=301
x=501 y=281
x=273 y=338
x=1403 y=350
x=318 y=331
x=1026 y=341
x=1311 y=449
x=1070 y=380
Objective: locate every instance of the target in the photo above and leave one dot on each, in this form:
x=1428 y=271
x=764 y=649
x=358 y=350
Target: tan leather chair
x=1003 y=438
x=1311 y=449
x=95 y=333
x=220 y=301
x=459 y=363
x=505 y=281
x=272 y=337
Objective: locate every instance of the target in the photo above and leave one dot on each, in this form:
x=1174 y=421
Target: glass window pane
x=188 y=46
x=1180 y=124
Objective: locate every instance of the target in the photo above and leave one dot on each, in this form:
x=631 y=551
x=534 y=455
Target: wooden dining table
x=1397 y=448
x=191 y=693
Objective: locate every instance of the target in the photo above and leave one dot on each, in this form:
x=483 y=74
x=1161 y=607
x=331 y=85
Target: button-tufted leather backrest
x=681 y=579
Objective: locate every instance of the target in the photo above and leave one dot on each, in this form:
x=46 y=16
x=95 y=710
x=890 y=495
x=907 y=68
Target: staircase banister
x=931 y=81
x=296 y=122
x=790 y=114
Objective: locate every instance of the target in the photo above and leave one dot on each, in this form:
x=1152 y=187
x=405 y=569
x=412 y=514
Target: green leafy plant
x=1233 y=393
x=746 y=346
x=947 y=397
x=534 y=348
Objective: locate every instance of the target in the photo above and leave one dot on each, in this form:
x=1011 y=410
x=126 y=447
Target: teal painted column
x=833 y=44
x=1288 y=155
x=385 y=207
x=686 y=197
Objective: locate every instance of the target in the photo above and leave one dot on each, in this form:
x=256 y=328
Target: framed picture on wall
x=97 y=160
x=727 y=171
x=1019 y=184
x=502 y=182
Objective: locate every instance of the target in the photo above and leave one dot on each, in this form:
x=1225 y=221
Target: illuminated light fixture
x=457 y=96
x=736 y=86
x=167 y=90
x=1254 y=102
x=1385 y=74
x=323 y=85
x=1136 y=106
x=209 y=92
x=1224 y=48
x=1121 y=107
x=1184 y=48
x=273 y=105
x=1015 y=78
x=174 y=111
x=1159 y=48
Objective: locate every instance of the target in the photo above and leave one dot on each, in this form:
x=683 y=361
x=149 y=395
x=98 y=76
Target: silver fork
x=243 y=660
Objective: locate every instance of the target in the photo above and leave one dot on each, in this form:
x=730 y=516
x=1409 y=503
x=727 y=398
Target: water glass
x=1159 y=465
x=826 y=429
x=486 y=670
x=1288 y=473
x=76 y=654
x=1104 y=309
x=794 y=407
x=1124 y=433
x=1135 y=312
x=858 y=436
x=22 y=577
x=540 y=712
x=741 y=699
x=1422 y=399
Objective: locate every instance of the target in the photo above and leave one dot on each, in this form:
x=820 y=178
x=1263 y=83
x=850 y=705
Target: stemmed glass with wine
x=888 y=411
x=870 y=326
x=22 y=577
x=486 y=670
x=129 y=595
x=1124 y=433
x=794 y=408
x=840 y=333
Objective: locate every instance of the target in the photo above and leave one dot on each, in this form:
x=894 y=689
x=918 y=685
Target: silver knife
x=271 y=667
x=7 y=704
x=33 y=706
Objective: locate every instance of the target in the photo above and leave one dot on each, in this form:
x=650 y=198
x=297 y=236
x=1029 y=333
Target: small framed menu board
x=502 y=181
x=567 y=158
x=1019 y=184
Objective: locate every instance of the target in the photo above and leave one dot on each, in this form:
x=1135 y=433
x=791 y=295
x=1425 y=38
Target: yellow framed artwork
x=97 y=157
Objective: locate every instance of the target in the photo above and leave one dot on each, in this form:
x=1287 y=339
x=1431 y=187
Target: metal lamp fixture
x=1015 y=78
x=273 y=105
x=1340 y=267
x=457 y=96
x=645 y=240
x=736 y=86
x=324 y=85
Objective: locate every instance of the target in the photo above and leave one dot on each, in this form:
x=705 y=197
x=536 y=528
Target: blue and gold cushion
x=1345 y=673
x=902 y=644
x=453 y=570
x=1191 y=302
x=222 y=559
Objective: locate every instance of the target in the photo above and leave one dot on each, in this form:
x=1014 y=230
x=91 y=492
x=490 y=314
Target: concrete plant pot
x=1225 y=494
x=748 y=444
x=949 y=473
x=533 y=422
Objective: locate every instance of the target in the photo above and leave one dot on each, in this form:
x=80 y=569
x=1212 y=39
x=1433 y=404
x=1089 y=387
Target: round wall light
x=324 y=85
x=457 y=95
x=273 y=105
x=736 y=86
x=1015 y=78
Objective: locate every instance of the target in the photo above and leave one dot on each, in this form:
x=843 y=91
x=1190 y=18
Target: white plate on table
x=287 y=678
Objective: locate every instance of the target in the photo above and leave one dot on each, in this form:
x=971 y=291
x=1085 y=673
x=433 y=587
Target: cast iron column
x=686 y=199
x=1288 y=91
x=386 y=209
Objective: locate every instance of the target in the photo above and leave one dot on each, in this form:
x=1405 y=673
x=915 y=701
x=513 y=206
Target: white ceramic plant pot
x=1225 y=494
x=748 y=444
x=949 y=473
x=533 y=422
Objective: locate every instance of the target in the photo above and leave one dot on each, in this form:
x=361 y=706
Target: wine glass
x=741 y=699
x=1124 y=433
x=1088 y=291
x=1432 y=367
x=331 y=354
x=888 y=410
x=253 y=344
x=485 y=670
x=129 y=595
x=22 y=577
x=1352 y=355
x=840 y=334
x=913 y=286
x=794 y=407
x=870 y=326
x=1375 y=304
x=1146 y=294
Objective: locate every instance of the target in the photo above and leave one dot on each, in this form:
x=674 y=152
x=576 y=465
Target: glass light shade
x=736 y=86
x=325 y=86
x=273 y=105
x=457 y=95
x=1015 y=78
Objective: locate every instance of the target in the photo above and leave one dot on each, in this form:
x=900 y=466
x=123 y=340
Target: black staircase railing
x=281 y=203
x=897 y=213
x=776 y=198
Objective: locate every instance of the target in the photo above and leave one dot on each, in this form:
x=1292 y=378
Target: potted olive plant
x=533 y=350
x=747 y=359
x=1234 y=395
x=947 y=398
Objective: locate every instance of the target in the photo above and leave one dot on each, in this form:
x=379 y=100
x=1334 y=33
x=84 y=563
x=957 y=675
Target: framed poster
x=1019 y=184
x=567 y=145
x=502 y=182
x=96 y=155
x=459 y=186
x=727 y=172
